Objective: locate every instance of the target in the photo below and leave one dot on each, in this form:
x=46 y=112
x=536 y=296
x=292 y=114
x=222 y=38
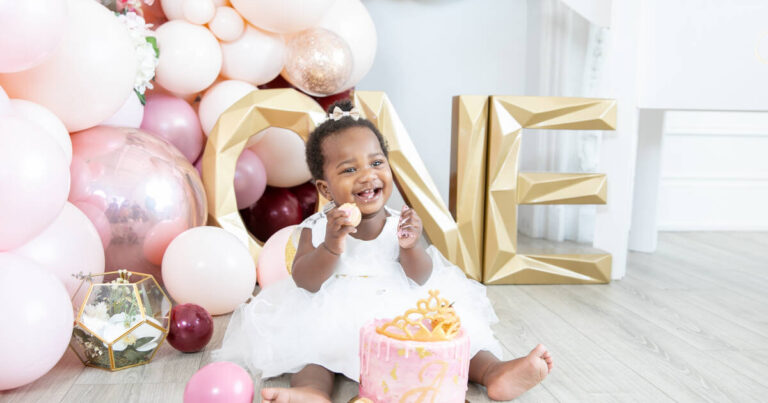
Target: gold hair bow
x=337 y=113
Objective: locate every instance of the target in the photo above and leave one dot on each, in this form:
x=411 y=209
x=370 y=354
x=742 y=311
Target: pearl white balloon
x=190 y=57
x=282 y=16
x=350 y=20
x=283 y=154
x=218 y=98
x=227 y=24
x=173 y=9
x=209 y=267
x=256 y=57
x=44 y=118
x=198 y=11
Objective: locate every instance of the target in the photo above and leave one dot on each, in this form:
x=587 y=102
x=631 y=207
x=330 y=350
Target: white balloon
x=282 y=16
x=227 y=24
x=218 y=98
x=209 y=267
x=198 y=11
x=256 y=57
x=129 y=115
x=350 y=20
x=190 y=57
x=276 y=147
x=173 y=9
x=43 y=117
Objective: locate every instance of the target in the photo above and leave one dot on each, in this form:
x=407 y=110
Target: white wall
x=714 y=172
x=431 y=50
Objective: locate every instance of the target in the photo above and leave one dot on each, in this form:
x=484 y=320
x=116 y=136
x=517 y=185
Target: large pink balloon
x=209 y=267
x=190 y=57
x=282 y=153
x=68 y=246
x=255 y=57
x=282 y=16
x=34 y=181
x=44 y=118
x=90 y=74
x=174 y=120
x=37 y=321
x=271 y=267
x=350 y=20
x=218 y=98
x=139 y=183
x=30 y=31
x=219 y=382
x=250 y=179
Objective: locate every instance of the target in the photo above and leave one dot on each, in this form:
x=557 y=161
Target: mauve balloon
x=307 y=195
x=277 y=208
x=191 y=328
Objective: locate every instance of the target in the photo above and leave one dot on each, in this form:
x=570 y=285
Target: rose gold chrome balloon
x=145 y=188
x=317 y=61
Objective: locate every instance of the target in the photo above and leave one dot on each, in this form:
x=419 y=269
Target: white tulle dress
x=285 y=327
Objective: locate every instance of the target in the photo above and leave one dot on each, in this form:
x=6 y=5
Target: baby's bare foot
x=507 y=380
x=293 y=395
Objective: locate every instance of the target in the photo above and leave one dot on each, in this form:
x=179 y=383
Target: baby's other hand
x=337 y=229
x=409 y=228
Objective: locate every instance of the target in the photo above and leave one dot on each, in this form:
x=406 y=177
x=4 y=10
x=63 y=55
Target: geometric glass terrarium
x=121 y=323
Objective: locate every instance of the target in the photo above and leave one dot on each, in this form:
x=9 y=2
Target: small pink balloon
x=271 y=266
x=129 y=115
x=175 y=121
x=30 y=31
x=198 y=11
x=37 y=316
x=160 y=236
x=34 y=181
x=226 y=24
x=221 y=381
x=68 y=246
x=250 y=179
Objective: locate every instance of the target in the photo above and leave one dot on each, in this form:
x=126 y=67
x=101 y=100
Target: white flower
x=145 y=54
x=97 y=311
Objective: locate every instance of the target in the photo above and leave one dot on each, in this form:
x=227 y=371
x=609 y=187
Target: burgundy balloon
x=326 y=102
x=307 y=195
x=277 y=208
x=278 y=82
x=191 y=328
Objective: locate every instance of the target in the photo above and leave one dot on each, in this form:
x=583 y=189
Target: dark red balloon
x=277 y=208
x=326 y=102
x=307 y=195
x=278 y=82
x=191 y=328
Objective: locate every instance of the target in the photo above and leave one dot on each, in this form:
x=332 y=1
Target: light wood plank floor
x=689 y=323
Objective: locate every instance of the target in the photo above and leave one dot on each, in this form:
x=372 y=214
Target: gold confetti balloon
x=318 y=62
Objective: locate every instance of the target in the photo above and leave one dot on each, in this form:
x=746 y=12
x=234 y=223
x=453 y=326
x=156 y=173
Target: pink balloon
x=283 y=16
x=133 y=182
x=129 y=115
x=37 y=321
x=275 y=147
x=221 y=381
x=199 y=166
x=226 y=24
x=5 y=103
x=250 y=179
x=30 y=31
x=271 y=267
x=68 y=246
x=190 y=59
x=34 y=181
x=41 y=116
x=90 y=74
x=255 y=56
x=174 y=120
x=160 y=236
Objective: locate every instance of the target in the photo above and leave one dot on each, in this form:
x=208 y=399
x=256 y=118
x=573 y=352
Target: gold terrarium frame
x=124 y=275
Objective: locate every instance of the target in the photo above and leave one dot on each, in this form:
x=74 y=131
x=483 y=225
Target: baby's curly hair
x=315 y=158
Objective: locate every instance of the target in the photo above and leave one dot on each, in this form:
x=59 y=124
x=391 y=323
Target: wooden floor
x=688 y=323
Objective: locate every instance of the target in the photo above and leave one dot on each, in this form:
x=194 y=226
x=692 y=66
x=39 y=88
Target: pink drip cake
x=397 y=365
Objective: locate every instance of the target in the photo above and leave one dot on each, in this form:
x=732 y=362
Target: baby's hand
x=337 y=229
x=409 y=228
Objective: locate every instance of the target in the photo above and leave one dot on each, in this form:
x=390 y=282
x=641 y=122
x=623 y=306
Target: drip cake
x=421 y=356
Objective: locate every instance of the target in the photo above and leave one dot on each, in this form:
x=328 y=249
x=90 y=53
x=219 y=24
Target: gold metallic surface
x=413 y=179
x=507 y=187
x=467 y=188
x=284 y=108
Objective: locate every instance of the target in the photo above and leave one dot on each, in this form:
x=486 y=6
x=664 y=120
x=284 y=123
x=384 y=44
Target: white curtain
x=565 y=57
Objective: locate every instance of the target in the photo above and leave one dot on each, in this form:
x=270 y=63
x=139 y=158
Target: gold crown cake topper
x=433 y=319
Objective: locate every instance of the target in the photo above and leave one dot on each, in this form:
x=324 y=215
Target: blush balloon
x=191 y=328
x=277 y=208
x=307 y=195
x=250 y=179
